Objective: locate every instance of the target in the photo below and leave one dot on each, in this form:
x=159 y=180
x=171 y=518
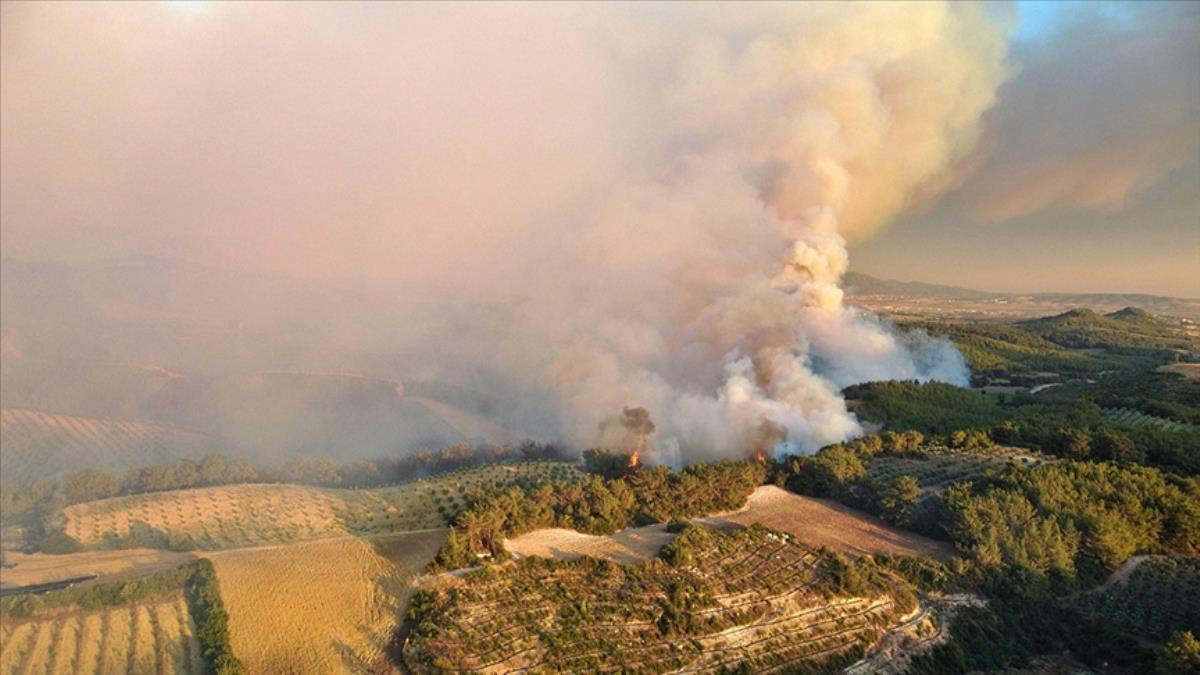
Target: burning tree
x=638 y=427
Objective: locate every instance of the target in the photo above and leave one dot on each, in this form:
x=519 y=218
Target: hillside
x=263 y=417
x=319 y=607
x=754 y=597
x=1127 y=327
x=233 y=516
x=40 y=446
x=171 y=621
x=156 y=636
x=857 y=283
x=272 y=366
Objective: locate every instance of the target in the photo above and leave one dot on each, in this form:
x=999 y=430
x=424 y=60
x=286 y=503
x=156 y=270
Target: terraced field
x=1135 y=418
x=754 y=597
x=1161 y=596
x=237 y=516
x=39 y=446
x=152 y=637
x=941 y=467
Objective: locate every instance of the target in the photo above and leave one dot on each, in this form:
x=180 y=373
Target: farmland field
x=753 y=597
x=1161 y=595
x=940 y=467
x=319 y=607
x=1135 y=418
x=152 y=637
x=254 y=515
x=38 y=446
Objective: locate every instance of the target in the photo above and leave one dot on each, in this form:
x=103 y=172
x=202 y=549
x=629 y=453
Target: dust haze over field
x=553 y=213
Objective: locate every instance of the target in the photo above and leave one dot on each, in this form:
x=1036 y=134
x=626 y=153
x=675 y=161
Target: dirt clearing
x=630 y=545
x=815 y=522
x=821 y=522
x=1189 y=370
x=39 y=568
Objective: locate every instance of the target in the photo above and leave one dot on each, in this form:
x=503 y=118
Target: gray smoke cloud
x=574 y=209
x=1102 y=110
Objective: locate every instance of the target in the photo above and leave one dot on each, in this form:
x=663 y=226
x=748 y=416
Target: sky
x=351 y=145
x=1090 y=181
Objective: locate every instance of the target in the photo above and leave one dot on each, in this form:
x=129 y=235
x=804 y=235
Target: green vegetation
x=754 y=599
x=203 y=594
x=1076 y=344
x=1160 y=598
x=597 y=506
x=1033 y=527
x=196 y=579
x=37 y=507
x=1052 y=424
x=1135 y=418
x=1181 y=655
x=235 y=516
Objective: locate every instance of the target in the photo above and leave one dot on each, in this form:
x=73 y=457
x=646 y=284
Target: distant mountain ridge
x=863 y=284
x=859 y=284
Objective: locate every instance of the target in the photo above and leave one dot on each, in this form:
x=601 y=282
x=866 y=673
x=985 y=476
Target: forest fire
x=767 y=436
x=638 y=428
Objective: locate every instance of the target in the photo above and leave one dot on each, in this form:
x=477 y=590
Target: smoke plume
x=647 y=206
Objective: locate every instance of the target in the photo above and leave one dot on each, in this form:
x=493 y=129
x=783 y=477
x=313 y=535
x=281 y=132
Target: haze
x=573 y=209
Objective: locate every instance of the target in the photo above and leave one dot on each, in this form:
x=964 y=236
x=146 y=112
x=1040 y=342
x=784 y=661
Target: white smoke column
x=782 y=131
x=644 y=205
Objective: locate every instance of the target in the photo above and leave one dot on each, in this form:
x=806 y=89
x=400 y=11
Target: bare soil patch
x=38 y=568
x=630 y=545
x=822 y=522
x=1189 y=370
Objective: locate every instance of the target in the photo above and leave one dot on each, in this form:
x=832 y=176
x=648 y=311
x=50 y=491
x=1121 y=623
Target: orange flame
x=760 y=455
x=634 y=458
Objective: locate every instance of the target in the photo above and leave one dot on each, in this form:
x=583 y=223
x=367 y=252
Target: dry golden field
x=319 y=607
x=234 y=516
x=154 y=637
x=39 y=446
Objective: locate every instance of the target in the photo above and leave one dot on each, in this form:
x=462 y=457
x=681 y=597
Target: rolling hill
x=40 y=446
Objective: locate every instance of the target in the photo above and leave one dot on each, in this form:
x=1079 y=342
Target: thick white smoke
x=648 y=204
x=782 y=131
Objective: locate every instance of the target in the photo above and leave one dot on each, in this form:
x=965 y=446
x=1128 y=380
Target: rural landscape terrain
x=1061 y=482
x=421 y=338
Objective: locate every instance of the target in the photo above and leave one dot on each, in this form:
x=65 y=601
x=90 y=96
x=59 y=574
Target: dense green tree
x=213 y=469
x=899 y=502
x=1074 y=443
x=86 y=485
x=1181 y=655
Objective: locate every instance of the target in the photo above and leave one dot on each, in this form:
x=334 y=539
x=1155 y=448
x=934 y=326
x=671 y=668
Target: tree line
x=597 y=505
x=32 y=505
